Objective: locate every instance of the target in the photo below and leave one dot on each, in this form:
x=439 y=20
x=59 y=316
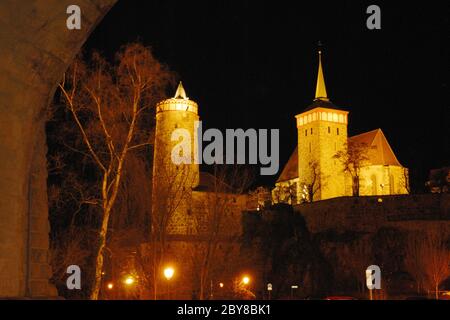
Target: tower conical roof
x=321 y=91
x=180 y=93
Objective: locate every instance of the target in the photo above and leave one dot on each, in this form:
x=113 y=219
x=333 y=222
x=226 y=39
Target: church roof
x=290 y=170
x=380 y=152
x=318 y=103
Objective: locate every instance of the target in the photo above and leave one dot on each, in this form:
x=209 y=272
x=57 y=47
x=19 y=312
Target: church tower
x=322 y=131
x=173 y=182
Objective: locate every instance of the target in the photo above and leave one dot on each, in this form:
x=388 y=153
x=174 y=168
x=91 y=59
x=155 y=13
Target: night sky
x=253 y=64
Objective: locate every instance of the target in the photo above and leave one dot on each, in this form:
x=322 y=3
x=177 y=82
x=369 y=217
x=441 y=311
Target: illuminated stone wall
x=368 y=214
x=383 y=180
x=36 y=48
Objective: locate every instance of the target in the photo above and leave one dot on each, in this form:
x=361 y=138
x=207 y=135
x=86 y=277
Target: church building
x=315 y=171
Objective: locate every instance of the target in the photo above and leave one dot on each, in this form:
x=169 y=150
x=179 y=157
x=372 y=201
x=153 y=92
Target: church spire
x=321 y=91
x=181 y=93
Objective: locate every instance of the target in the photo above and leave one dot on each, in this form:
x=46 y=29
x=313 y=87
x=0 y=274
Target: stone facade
x=383 y=180
x=36 y=48
x=368 y=214
x=321 y=133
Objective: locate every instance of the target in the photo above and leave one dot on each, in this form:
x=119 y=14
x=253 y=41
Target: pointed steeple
x=180 y=94
x=321 y=91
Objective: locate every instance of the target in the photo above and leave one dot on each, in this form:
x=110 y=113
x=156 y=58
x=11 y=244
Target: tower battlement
x=322 y=114
x=174 y=104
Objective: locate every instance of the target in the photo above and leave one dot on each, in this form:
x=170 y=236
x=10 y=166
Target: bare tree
x=217 y=220
x=108 y=104
x=314 y=185
x=439 y=180
x=413 y=260
x=171 y=194
x=285 y=193
x=353 y=156
x=428 y=259
x=353 y=259
x=69 y=248
x=436 y=257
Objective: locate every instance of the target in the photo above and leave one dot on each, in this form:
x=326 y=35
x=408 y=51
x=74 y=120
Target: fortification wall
x=368 y=214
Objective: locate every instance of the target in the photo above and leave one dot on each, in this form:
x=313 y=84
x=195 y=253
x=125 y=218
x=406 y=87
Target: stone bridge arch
x=35 y=50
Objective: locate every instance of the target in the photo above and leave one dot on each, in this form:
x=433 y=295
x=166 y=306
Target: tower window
x=311 y=130
x=329 y=130
x=306 y=132
x=310 y=147
x=337 y=131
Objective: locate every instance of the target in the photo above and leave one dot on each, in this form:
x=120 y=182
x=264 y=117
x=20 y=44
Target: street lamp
x=168 y=274
x=292 y=290
x=269 y=290
x=245 y=280
x=129 y=280
x=110 y=286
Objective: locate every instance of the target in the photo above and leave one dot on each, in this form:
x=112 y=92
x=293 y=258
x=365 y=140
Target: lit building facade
x=314 y=173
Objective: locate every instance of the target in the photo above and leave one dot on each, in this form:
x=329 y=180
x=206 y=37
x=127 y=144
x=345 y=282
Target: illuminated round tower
x=173 y=183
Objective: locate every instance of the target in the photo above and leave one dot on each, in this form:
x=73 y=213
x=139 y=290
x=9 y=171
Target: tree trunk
x=355 y=186
x=436 y=290
x=99 y=258
x=154 y=268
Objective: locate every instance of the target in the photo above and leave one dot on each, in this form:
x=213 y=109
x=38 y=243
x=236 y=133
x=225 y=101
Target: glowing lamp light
x=129 y=280
x=168 y=273
x=110 y=286
x=245 y=280
x=221 y=284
